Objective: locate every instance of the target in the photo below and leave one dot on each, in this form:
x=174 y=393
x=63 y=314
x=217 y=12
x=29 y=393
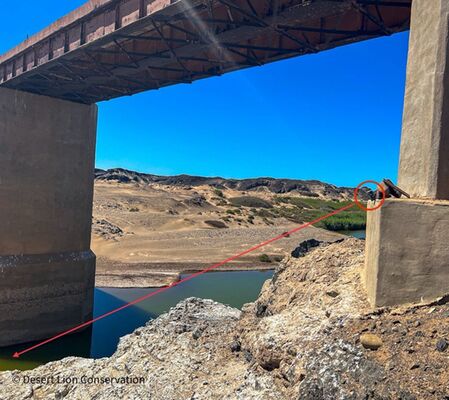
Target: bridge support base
x=47 y=271
x=407 y=256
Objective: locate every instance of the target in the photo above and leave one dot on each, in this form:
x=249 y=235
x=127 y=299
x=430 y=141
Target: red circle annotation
x=356 y=196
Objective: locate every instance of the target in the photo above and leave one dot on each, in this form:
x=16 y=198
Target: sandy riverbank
x=118 y=275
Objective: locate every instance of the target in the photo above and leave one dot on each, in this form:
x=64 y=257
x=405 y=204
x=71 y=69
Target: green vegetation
x=307 y=209
x=219 y=201
x=235 y=211
x=264 y=258
x=266 y=213
x=219 y=193
x=345 y=221
x=296 y=209
x=133 y=209
x=250 y=201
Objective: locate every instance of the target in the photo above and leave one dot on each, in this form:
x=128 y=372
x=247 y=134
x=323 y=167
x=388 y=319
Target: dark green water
x=234 y=288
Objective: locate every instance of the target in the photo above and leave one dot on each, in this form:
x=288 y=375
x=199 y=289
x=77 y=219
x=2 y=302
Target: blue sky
x=333 y=116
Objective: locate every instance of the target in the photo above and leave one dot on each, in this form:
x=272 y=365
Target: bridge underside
x=119 y=48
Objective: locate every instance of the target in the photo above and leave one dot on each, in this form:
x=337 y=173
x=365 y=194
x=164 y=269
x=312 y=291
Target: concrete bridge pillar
x=407 y=251
x=424 y=159
x=47 y=270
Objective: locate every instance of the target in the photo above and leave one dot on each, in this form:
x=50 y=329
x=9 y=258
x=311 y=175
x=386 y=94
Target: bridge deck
x=112 y=48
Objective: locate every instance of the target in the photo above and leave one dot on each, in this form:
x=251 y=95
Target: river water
x=234 y=288
x=359 y=234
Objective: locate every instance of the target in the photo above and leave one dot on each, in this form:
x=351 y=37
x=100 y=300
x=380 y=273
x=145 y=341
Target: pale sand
x=163 y=233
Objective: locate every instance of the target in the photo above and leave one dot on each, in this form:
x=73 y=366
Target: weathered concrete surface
x=424 y=160
x=407 y=256
x=407 y=252
x=47 y=149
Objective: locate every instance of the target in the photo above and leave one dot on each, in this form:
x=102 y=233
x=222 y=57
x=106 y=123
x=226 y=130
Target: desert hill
x=147 y=228
x=307 y=188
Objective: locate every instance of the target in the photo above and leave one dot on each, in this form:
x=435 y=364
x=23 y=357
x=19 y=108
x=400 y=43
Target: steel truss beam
x=184 y=42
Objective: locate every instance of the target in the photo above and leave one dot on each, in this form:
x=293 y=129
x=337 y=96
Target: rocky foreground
x=310 y=335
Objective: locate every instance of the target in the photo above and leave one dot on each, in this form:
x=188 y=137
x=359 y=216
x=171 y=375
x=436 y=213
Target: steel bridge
x=112 y=48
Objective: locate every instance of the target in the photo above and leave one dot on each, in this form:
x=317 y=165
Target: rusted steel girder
x=111 y=48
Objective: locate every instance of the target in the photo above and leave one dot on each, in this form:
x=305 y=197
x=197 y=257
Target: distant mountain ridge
x=310 y=188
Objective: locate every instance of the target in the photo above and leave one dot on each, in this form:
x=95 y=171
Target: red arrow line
x=163 y=289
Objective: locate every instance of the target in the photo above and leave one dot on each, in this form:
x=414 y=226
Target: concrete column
x=47 y=270
x=407 y=255
x=424 y=159
x=407 y=252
